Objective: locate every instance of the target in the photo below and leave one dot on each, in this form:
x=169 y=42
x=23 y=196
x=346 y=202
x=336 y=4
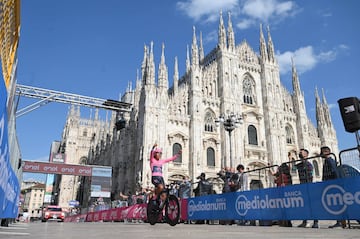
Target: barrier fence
x=312 y=188
x=304 y=193
x=136 y=212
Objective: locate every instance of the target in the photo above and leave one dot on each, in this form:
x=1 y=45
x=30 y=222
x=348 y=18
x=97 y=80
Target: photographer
x=225 y=174
x=204 y=187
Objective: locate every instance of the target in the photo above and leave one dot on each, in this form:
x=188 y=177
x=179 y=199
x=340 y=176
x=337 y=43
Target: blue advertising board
x=9 y=184
x=334 y=199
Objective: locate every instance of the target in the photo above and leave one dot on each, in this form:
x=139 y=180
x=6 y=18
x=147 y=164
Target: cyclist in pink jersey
x=156 y=168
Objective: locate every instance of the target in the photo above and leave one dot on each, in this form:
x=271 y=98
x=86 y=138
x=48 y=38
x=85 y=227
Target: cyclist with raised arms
x=156 y=171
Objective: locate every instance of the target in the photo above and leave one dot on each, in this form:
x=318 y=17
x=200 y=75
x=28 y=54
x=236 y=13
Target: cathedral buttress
x=299 y=109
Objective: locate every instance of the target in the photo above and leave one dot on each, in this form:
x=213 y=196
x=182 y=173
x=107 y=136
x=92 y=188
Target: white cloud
x=205 y=9
x=333 y=106
x=245 y=23
x=305 y=59
x=266 y=10
x=327 y=56
x=210 y=37
x=246 y=13
x=343 y=47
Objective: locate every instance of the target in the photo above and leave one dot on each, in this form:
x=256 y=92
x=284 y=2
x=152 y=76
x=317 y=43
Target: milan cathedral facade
x=229 y=79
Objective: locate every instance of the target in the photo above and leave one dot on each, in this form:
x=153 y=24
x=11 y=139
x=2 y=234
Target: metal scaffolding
x=46 y=96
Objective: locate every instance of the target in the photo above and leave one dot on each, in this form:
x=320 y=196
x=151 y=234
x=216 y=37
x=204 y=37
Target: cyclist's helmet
x=157 y=150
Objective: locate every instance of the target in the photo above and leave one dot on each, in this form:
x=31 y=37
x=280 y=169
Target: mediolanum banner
x=9 y=184
x=334 y=199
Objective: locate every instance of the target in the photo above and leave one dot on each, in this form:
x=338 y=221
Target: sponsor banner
x=97 y=194
x=74 y=203
x=76 y=218
x=102 y=171
x=136 y=212
x=9 y=184
x=101 y=182
x=334 y=199
x=56 y=168
x=49 y=188
x=57 y=158
x=183 y=209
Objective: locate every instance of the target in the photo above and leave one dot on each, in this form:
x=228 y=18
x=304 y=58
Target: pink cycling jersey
x=156 y=165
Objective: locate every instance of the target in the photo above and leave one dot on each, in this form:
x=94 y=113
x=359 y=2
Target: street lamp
x=230 y=122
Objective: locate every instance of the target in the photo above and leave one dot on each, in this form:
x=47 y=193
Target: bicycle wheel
x=172 y=210
x=152 y=212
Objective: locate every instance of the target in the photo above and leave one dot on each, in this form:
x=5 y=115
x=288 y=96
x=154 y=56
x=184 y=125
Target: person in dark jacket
x=305 y=171
x=330 y=172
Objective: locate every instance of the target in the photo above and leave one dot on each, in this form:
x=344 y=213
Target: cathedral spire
x=176 y=76
x=151 y=65
x=129 y=87
x=323 y=96
x=194 y=50
x=263 y=51
x=271 y=53
x=138 y=81
x=222 y=33
x=72 y=110
x=201 y=48
x=231 y=35
x=187 y=59
x=295 y=79
x=326 y=109
x=319 y=110
x=144 y=64
x=163 y=73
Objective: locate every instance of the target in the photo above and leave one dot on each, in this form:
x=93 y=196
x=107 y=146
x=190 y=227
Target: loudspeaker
x=350 y=113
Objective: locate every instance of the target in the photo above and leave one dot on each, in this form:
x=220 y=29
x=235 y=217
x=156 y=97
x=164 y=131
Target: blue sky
x=95 y=48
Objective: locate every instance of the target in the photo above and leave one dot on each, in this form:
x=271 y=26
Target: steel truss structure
x=46 y=96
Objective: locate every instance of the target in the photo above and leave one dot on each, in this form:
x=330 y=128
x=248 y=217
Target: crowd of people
x=236 y=180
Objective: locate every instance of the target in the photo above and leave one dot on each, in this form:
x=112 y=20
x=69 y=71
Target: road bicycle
x=170 y=207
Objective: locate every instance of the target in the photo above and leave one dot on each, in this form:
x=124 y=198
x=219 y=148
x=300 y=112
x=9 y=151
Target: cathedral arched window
x=83 y=160
x=316 y=168
x=290 y=139
x=249 y=96
x=252 y=135
x=85 y=133
x=210 y=157
x=209 y=122
x=176 y=148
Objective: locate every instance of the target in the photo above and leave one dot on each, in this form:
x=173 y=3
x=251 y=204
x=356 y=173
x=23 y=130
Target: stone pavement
x=55 y=230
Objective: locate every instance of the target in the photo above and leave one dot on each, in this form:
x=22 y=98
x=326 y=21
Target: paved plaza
x=55 y=230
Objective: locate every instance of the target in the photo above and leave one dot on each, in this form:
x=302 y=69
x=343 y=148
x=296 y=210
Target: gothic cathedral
x=230 y=79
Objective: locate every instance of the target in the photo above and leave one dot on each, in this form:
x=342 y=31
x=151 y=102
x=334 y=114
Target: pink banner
x=134 y=212
x=76 y=218
x=183 y=209
x=57 y=168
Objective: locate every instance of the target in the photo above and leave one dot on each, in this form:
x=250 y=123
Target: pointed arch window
x=176 y=148
x=290 y=139
x=210 y=157
x=252 y=135
x=249 y=96
x=209 y=122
